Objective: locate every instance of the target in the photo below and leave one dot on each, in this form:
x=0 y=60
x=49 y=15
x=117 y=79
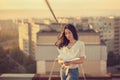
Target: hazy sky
x=67 y=8
x=60 y=4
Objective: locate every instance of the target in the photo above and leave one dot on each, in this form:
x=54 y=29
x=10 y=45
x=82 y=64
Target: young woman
x=72 y=53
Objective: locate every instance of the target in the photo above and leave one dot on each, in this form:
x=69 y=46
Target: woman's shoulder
x=80 y=42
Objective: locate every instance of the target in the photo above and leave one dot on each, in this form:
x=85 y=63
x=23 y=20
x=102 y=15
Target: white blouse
x=76 y=51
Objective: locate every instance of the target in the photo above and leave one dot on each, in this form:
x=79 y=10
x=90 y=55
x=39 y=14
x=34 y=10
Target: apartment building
x=117 y=35
x=40 y=45
x=104 y=26
x=27 y=37
x=46 y=53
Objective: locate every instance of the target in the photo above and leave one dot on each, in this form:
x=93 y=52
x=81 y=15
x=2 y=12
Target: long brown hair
x=62 y=40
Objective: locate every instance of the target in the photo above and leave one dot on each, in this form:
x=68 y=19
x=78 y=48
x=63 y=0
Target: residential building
x=46 y=53
x=27 y=37
x=41 y=46
x=117 y=35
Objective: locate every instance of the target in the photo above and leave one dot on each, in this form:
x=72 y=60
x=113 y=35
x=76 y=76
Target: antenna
x=51 y=10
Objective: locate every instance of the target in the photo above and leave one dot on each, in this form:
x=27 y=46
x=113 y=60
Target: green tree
x=8 y=64
x=30 y=65
x=27 y=61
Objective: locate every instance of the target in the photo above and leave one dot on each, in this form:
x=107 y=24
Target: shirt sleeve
x=82 y=49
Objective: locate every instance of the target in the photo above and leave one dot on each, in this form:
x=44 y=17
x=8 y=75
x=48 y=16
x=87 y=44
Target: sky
x=65 y=7
x=60 y=4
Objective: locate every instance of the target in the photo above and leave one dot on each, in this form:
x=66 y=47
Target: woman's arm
x=80 y=61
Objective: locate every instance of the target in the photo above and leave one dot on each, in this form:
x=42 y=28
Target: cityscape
x=33 y=36
x=28 y=34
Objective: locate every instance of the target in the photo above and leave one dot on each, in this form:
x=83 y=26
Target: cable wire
x=51 y=10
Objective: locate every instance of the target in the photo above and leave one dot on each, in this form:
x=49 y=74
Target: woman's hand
x=60 y=62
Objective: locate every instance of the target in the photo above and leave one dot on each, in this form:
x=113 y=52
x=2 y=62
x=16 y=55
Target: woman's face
x=68 y=34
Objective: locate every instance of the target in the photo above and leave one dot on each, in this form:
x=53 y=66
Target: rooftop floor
x=55 y=77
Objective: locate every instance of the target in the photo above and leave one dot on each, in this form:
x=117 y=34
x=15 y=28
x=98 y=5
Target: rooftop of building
x=55 y=33
x=108 y=76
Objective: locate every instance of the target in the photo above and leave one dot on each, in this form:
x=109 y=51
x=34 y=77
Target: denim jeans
x=73 y=74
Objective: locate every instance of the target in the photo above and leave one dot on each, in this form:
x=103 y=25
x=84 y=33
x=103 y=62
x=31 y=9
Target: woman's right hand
x=61 y=62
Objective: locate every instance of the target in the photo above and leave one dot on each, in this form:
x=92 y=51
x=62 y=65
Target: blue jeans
x=73 y=74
